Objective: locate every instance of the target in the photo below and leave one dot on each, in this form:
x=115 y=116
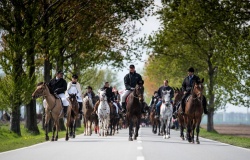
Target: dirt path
x=237 y=130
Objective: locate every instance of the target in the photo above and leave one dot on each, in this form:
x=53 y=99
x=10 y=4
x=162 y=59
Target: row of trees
x=39 y=36
x=213 y=37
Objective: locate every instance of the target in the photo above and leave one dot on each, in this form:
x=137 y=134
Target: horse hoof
x=130 y=139
x=168 y=136
x=164 y=137
x=67 y=138
x=74 y=136
x=52 y=139
x=135 y=138
x=197 y=142
x=47 y=138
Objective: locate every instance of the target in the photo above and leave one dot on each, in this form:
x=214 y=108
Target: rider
x=130 y=81
x=110 y=97
x=117 y=98
x=89 y=93
x=154 y=99
x=163 y=88
x=75 y=88
x=187 y=86
x=58 y=86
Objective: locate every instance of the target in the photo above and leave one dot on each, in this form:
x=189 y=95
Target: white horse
x=103 y=114
x=166 y=114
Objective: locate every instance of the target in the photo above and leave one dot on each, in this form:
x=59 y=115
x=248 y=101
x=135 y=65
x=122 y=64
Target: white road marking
x=140 y=158
x=139 y=148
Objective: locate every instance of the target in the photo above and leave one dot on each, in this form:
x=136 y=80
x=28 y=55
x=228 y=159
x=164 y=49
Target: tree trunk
x=210 y=122
x=31 y=120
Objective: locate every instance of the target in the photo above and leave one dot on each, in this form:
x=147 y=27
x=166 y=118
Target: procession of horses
x=106 y=123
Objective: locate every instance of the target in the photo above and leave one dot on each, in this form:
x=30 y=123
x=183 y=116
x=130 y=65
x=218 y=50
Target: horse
x=178 y=94
x=155 y=122
x=103 y=113
x=133 y=114
x=113 y=120
x=53 y=108
x=166 y=112
x=72 y=115
x=193 y=111
x=88 y=116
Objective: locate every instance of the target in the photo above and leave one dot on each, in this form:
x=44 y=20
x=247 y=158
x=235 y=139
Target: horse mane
x=44 y=83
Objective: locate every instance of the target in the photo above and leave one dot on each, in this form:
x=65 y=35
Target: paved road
x=147 y=147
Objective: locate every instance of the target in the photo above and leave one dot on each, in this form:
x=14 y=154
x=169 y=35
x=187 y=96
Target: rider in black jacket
x=187 y=86
x=57 y=87
x=130 y=81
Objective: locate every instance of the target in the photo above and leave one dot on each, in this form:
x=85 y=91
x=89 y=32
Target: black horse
x=134 y=107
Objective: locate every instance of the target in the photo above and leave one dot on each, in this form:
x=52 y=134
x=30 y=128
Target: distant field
x=236 y=130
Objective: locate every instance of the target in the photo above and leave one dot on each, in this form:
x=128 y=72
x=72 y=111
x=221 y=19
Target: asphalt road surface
x=148 y=147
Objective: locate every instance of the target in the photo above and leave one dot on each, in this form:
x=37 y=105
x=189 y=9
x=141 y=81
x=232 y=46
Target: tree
x=208 y=35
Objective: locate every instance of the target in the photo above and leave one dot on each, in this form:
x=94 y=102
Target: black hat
x=75 y=76
x=89 y=87
x=132 y=66
x=59 y=72
x=191 y=69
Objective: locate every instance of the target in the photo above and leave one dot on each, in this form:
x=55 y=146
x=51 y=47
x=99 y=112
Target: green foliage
x=211 y=36
x=10 y=140
x=233 y=140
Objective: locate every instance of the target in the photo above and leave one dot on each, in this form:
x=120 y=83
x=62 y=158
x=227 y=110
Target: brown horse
x=113 y=120
x=134 y=105
x=72 y=115
x=53 y=108
x=193 y=111
x=88 y=116
x=155 y=122
x=178 y=94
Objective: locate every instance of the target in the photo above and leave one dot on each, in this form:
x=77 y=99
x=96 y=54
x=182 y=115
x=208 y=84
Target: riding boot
x=65 y=111
x=204 y=104
x=80 y=107
x=123 y=107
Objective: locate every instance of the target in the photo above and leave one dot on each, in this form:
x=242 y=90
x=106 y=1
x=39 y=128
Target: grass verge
x=10 y=141
x=229 y=139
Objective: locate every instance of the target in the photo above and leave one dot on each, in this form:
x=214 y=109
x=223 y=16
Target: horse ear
x=202 y=80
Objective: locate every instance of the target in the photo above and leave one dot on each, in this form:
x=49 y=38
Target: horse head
x=198 y=88
x=178 y=94
x=139 y=90
x=87 y=102
x=166 y=96
x=39 y=92
x=102 y=94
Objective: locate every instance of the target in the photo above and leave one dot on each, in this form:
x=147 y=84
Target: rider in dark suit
x=187 y=86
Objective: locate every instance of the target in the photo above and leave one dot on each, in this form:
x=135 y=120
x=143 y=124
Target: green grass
x=10 y=141
x=229 y=139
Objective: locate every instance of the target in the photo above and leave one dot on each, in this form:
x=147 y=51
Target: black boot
x=123 y=107
x=65 y=111
x=80 y=107
x=204 y=104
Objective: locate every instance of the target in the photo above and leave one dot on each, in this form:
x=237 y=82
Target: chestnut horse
x=178 y=94
x=53 y=108
x=72 y=115
x=88 y=108
x=193 y=111
x=155 y=122
x=134 y=105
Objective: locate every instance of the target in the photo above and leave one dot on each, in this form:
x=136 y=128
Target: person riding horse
x=74 y=87
x=130 y=81
x=110 y=97
x=187 y=86
x=90 y=93
x=58 y=86
x=163 y=88
x=154 y=100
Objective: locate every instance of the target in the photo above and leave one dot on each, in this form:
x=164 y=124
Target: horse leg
x=46 y=131
x=189 y=128
x=159 y=128
x=74 y=128
x=57 y=128
x=67 y=130
x=54 y=130
x=130 y=130
x=168 y=127
x=198 y=131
